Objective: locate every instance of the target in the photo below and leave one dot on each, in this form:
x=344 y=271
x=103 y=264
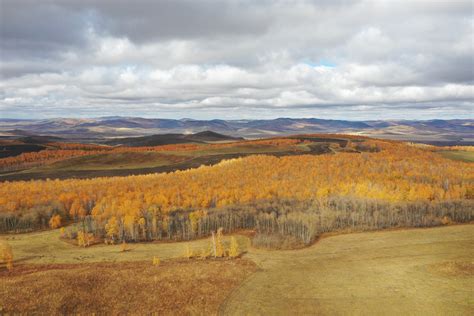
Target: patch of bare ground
x=177 y=287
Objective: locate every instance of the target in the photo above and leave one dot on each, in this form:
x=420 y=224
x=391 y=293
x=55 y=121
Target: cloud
x=182 y=58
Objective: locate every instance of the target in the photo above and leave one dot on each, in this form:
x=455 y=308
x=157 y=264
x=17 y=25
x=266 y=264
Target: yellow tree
x=142 y=224
x=129 y=222
x=81 y=239
x=234 y=248
x=77 y=210
x=55 y=221
x=219 y=247
x=112 y=228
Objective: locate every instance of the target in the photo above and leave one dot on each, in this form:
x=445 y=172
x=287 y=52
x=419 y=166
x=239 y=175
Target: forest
x=391 y=184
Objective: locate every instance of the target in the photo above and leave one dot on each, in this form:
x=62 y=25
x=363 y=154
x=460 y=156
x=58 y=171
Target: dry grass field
x=405 y=272
x=171 y=288
x=46 y=247
x=415 y=272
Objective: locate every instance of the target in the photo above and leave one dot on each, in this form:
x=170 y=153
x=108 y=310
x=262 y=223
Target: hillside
x=66 y=160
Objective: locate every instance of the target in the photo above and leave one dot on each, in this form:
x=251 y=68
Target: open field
x=461 y=155
x=405 y=272
x=172 y=288
x=46 y=247
x=416 y=272
x=132 y=160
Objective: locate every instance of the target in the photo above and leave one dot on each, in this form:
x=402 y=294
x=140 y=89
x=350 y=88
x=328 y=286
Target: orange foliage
x=456 y=148
x=34 y=159
x=55 y=221
x=397 y=173
x=76 y=146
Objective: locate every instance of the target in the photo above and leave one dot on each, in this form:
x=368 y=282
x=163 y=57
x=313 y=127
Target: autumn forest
x=389 y=184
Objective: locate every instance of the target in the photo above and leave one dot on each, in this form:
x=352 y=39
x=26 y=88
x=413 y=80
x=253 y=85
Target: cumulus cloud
x=232 y=59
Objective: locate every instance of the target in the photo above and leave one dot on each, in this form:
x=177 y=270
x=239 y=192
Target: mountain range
x=442 y=132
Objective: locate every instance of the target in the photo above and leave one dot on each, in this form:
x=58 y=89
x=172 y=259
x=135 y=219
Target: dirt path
x=409 y=272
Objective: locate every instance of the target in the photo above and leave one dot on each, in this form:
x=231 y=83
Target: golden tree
x=219 y=247
x=112 y=228
x=84 y=239
x=194 y=218
x=142 y=224
x=55 y=221
x=234 y=248
x=81 y=241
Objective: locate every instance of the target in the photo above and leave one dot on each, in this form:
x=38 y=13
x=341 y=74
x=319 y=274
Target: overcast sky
x=343 y=59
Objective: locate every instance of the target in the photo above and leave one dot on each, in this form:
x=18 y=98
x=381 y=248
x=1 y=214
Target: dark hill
x=168 y=139
x=210 y=136
x=40 y=139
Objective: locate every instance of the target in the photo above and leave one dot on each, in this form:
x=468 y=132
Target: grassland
x=132 y=160
x=461 y=155
x=406 y=272
x=137 y=288
x=415 y=272
x=46 y=247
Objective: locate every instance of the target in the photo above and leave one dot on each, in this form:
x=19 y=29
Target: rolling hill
x=167 y=139
x=439 y=132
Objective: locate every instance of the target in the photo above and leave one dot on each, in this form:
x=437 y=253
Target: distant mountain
x=458 y=131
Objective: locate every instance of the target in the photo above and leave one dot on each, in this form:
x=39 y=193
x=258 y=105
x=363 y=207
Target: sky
x=335 y=59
